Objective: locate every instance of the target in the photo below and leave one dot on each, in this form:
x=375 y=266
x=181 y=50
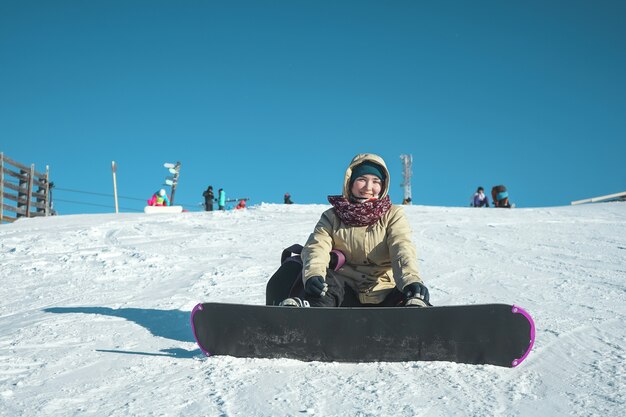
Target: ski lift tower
x=407 y=172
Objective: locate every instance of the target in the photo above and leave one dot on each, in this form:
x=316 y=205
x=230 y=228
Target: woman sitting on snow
x=479 y=199
x=500 y=196
x=374 y=236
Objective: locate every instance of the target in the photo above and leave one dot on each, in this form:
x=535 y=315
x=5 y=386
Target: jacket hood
x=360 y=158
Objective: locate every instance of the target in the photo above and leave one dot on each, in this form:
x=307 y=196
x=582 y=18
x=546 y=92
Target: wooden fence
x=26 y=191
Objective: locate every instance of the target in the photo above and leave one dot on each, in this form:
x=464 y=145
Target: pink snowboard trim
x=524 y=313
x=193 y=328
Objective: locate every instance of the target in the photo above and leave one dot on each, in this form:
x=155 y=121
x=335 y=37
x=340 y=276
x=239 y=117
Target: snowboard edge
x=195 y=310
x=519 y=310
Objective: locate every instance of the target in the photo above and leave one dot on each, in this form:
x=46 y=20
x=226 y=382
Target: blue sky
x=267 y=97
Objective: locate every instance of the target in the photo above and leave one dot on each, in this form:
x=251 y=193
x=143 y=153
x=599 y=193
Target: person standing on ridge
x=208 y=198
x=288 y=198
x=221 y=199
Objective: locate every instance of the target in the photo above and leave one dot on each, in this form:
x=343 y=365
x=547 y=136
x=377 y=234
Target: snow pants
x=341 y=295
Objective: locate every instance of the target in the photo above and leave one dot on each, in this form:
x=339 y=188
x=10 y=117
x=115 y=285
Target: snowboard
x=496 y=334
x=162 y=209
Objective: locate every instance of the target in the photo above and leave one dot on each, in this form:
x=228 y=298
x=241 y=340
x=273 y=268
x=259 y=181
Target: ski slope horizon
x=94 y=315
x=266 y=98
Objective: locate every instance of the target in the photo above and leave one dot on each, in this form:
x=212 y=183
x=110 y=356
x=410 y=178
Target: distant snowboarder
x=159 y=198
x=288 y=198
x=479 y=199
x=500 y=196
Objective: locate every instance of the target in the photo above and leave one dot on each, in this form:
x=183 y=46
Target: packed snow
x=94 y=315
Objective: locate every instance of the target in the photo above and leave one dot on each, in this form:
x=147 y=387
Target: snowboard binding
x=294 y=302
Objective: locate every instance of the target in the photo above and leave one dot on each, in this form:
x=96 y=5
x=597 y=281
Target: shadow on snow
x=169 y=324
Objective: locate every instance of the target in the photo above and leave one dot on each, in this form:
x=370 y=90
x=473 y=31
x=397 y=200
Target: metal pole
x=597 y=199
x=407 y=168
x=29 y=193
x=114 y=168
x=47 y=191
x=177 y=168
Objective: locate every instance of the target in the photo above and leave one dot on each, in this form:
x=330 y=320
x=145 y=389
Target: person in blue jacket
x=500 y=196
x=221 y=199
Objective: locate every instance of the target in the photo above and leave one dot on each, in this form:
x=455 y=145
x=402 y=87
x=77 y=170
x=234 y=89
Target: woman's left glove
x=416 y=290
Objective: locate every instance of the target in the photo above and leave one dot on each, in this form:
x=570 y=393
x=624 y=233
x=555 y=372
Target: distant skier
x=159 y=198
x=500 y=196
x=375 y=236
x=288 y=198
x=221 y=199
x=480 y=199
x=241 y=205
x=208 y=198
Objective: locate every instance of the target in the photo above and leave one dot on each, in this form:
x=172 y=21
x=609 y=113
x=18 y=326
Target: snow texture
x=94 y=315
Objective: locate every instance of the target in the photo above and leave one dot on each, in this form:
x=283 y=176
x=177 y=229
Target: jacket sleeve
x=316 y=251
x=402 y=250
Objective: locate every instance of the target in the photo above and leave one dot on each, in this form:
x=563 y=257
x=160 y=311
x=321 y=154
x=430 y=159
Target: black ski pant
x=339 y=295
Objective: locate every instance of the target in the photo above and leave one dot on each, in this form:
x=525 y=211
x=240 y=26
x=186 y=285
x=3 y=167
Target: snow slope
x=94 y=315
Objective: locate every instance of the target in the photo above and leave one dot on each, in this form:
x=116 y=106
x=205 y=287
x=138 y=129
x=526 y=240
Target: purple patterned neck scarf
x=359 y=214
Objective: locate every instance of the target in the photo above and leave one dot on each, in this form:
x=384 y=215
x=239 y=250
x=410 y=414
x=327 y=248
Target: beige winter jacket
x=378 y=257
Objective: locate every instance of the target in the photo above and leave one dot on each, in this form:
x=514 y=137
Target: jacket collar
x=360 y=214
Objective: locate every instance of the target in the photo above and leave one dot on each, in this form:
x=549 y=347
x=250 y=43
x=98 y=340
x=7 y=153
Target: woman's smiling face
x=367 y=186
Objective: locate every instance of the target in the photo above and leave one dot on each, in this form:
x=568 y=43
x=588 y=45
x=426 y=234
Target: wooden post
x=114 y=168
x=1 y=187
x=47 y=202
x=29 y=193
x=21 y=194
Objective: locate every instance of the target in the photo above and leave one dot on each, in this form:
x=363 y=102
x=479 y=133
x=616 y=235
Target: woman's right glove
x=315 y=286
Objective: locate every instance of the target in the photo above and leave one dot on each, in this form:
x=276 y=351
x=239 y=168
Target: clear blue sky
x=267 y=97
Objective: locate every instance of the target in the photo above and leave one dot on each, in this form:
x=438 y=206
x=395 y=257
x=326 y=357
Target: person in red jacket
x=241 y=205
x=159 y=199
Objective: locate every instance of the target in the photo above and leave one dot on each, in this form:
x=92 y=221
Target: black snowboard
x=496 y=334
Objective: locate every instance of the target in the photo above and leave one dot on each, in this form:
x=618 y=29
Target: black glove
x=315 y=286
x=416 y=289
